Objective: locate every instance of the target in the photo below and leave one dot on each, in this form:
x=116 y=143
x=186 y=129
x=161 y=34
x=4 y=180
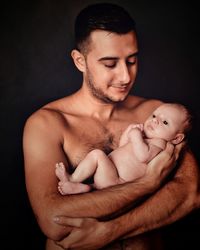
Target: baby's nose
x=155 y=120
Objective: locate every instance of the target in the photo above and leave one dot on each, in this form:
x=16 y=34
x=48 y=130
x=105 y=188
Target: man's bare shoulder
x=147 y=105
x=141 y=107
x=50 y=116
x=44 y=116
x=141 y=102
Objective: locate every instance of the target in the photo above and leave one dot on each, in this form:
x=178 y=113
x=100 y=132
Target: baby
x=138 y=144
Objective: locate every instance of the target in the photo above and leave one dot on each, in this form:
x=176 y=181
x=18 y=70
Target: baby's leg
x=65 y=186
x=98 y=164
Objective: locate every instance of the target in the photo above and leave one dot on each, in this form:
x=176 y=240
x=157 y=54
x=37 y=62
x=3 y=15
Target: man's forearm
x=104 y=202
x=164 y=207
x=175 y=200
x=154 y=214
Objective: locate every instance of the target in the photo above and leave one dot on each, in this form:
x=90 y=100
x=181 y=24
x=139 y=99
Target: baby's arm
x=142 y=149
x=125 y=135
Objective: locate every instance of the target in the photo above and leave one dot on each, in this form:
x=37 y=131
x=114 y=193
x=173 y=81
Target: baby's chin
x=148 y=134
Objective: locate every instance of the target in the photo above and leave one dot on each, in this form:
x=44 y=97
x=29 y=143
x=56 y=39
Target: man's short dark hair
x=101 y=16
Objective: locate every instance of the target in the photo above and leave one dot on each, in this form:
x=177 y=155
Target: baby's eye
x=165 y=122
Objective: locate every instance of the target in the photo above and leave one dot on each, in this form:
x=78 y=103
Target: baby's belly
x=127 y=164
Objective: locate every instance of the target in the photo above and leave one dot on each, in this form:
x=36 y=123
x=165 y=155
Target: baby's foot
x=61 y=172
x=68 y=187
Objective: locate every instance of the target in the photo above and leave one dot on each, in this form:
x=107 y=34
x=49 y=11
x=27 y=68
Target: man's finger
x=68 y=221
x=178 y=149
x=164 y=156
x=71 y=241
x=169 y=149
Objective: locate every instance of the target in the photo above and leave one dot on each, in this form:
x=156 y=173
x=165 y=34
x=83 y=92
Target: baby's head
x=170 y=121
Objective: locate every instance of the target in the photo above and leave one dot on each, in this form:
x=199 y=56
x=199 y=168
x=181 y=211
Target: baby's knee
x=97 y=153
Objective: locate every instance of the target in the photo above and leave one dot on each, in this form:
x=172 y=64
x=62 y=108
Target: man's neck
x=93 y=107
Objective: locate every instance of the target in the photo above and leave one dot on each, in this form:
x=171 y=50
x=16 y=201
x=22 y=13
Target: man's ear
x=79 y=60
x=179 y=138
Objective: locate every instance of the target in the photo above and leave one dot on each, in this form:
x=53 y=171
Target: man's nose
x=123 y=74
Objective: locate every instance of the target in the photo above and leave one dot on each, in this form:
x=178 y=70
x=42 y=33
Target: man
x=94 y=117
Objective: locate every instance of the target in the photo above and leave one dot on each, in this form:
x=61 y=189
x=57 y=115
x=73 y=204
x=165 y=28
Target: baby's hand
x=139 y=126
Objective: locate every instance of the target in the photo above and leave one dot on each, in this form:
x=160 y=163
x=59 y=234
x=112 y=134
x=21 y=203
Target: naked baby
x=138 y=144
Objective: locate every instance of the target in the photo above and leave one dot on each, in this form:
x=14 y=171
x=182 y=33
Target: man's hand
x=161 y=165
x=87 y=233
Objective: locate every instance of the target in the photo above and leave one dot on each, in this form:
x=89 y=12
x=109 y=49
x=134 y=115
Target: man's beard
x=98 y=93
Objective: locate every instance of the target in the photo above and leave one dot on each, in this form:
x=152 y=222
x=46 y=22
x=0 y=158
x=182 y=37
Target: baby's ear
x=179 y=138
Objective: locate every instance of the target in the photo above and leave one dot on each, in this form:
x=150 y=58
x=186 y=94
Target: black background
x=36 y=39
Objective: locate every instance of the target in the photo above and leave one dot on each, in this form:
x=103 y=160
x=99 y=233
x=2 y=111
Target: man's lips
x=120 y=87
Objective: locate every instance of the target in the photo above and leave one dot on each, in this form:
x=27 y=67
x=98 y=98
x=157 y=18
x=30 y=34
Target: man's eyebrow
x=107 y=58
x=133 y=55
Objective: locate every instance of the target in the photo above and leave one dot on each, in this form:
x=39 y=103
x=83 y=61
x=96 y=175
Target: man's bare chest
x=85 y=136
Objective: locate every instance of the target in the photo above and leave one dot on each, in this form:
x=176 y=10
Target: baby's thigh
x=106 y=173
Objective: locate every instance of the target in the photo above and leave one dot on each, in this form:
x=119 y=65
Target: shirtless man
x=94 y=117
x=138 y=145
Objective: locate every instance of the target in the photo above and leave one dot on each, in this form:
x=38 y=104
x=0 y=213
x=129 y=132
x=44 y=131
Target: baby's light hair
x=187 y=126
